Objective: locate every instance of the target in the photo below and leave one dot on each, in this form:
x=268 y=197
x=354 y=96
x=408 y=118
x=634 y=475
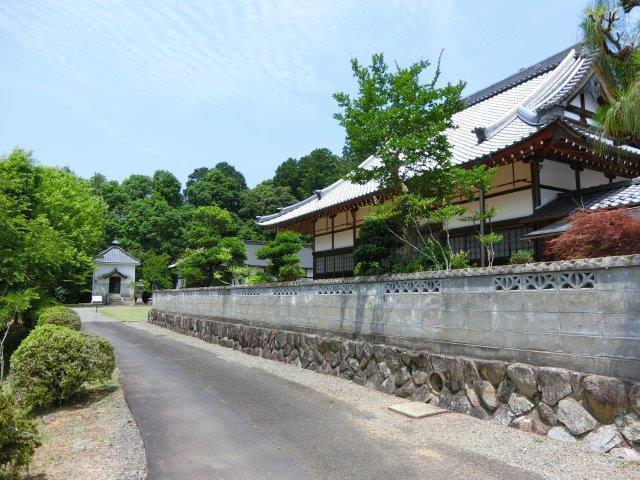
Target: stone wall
x=580 y=315
x=563 y=404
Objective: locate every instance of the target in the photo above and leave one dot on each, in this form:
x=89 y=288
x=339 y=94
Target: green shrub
x=18 y=438
x=53 y=362
x=61 y=316
x=460 y=259
x=520 y=257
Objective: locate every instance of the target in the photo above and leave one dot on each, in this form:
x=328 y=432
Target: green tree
x=155 y=271
x=610 y=31
x=218 y=187
x=402 y=122
x=283 y=255
x=166 y=185
x=311 y=172
x=213 y=251
x=265 y=198
x=137 y=187
x=151 y=224
x=377 y=248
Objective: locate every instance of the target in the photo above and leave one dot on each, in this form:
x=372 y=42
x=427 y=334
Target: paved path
x=204 y=416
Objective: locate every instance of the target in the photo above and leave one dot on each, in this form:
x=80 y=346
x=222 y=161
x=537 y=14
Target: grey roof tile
x=116 y=255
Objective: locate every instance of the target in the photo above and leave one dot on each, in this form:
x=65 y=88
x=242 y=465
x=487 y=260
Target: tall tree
x=213 y=251
x=311 y=172
x=166 y=185
x=151 y=224
x=402 y=121
x=137 y=187
x=219 y=187
x=612 y=34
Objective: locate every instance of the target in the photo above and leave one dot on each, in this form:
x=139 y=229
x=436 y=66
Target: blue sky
x=132 y=86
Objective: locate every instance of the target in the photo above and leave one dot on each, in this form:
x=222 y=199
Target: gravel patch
x=96 y=439
x=443 y=435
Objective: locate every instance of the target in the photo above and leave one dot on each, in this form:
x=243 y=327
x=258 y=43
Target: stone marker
x=416 y=409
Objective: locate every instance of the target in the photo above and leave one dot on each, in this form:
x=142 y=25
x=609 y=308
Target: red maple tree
x=597 y=233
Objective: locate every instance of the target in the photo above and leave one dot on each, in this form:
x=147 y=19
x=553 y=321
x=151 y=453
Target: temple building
x=537 y=128
x=114 y=275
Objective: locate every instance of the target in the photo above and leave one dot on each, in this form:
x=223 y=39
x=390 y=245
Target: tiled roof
x=116 y=255
x=619 y=194
x=496 y=118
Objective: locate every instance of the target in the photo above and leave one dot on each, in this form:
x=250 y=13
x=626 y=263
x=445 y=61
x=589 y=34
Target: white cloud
x=188 y=53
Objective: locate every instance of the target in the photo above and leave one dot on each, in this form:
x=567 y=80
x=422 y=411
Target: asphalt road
x=202 y=417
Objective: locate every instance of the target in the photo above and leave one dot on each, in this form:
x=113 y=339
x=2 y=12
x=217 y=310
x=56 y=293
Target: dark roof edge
x=521 y=76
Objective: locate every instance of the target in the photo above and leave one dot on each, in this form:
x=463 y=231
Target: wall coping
x=537 y=267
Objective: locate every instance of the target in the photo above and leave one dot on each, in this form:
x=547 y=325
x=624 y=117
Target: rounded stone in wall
x=605 y=397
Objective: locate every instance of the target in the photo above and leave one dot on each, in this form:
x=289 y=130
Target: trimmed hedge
x=18 y=438
x=52 y=363
x=61 y=316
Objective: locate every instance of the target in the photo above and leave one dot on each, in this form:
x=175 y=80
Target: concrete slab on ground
x=416 y=409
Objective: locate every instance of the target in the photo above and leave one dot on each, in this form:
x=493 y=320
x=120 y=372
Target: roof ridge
x=521 y=76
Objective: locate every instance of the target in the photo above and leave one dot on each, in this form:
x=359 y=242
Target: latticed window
x=512 y=242
x=333 y=265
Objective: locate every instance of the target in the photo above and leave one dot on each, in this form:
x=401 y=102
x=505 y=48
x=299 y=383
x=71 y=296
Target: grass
x=126 y=313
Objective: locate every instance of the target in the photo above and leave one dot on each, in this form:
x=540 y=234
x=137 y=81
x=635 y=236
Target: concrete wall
x=582 y=315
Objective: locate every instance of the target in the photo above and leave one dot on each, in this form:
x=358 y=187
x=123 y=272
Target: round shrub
x=59 y=315
x=521 y=257
x=18 y=438
x=53 y=362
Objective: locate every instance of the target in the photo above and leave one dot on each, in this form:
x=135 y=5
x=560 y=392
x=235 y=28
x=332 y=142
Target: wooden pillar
x=483 y=259
x=577 y=168
x=535 y=183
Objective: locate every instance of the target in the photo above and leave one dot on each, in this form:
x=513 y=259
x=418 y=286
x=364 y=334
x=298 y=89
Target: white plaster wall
x=511 y=205
x=322 y=242
x=556 y=174
x=343 y=239
x=101 y=285
x=591 y=178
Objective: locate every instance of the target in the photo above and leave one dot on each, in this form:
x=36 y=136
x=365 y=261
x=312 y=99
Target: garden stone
x=562 y=434
x=460 y=403
x=403 y=377
x=505 y=389
x=603 y=439
x=629 y=425
x=634 y=397
x=626 y=453
x=471 y=375
x=472 y=396
x=405 y=390
x=546 y=414
x=554 y=383
x=384 y=370
x=503 y=415
x=524 y=378
x=488 y=395
x=574 y=417
x=480 y=413
x=492 y=371
x=389 y=386
x=530 y=423
x=353 y=364
x=379 y=352
x=393 y=360
x=519 y=404
x=420 y=377
x=605 y=396
x=456 y=373
x=421 y=394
